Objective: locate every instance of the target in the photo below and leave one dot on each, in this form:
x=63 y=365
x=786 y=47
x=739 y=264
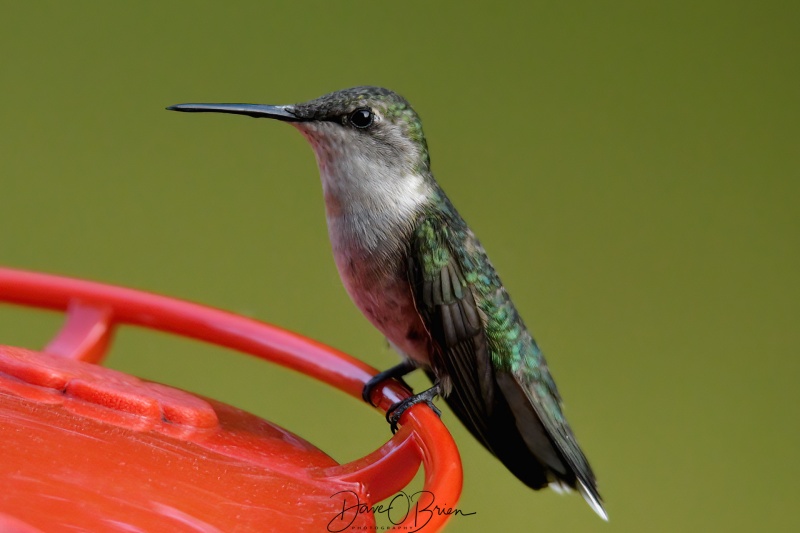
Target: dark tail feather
x=529 y=453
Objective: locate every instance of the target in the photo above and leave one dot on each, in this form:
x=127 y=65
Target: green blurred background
x=632 y=170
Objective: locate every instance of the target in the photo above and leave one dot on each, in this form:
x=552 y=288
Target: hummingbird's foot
x=396 y=411
x=395 y=372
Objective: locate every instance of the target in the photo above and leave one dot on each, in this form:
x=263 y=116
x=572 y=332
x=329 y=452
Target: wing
x=494 y=376
x=448 y=307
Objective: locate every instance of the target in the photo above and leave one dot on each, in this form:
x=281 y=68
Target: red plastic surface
x=117 y=449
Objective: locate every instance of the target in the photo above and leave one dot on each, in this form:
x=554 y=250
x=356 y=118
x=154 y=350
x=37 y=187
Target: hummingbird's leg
x=396 y=411
x=395 y=372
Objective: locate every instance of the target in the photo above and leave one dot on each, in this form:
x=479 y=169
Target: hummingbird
x=418 y=273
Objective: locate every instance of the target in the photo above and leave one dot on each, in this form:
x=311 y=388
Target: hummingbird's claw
x=396 y=411
x=395 y=372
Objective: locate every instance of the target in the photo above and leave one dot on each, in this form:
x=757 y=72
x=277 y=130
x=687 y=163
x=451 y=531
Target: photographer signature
x=420 y=506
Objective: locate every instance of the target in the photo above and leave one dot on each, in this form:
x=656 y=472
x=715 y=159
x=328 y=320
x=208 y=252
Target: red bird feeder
x=89 y=448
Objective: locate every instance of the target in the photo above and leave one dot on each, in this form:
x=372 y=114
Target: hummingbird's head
x=367 y=123
x=371 y=153
x=351 y=127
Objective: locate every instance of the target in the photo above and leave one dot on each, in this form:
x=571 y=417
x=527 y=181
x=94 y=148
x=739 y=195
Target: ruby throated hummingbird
x=418 y=273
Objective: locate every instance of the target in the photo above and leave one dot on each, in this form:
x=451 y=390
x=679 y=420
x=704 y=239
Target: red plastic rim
x=95 y=309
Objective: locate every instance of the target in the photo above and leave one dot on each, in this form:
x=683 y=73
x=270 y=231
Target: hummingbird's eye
x=362 y=118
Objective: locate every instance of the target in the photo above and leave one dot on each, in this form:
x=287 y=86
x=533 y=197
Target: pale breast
x=377 y=283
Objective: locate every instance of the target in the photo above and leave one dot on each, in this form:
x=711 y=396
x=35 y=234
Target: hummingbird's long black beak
x=278 y=112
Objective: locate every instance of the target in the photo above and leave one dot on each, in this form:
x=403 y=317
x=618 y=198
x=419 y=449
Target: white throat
x=370 y=206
